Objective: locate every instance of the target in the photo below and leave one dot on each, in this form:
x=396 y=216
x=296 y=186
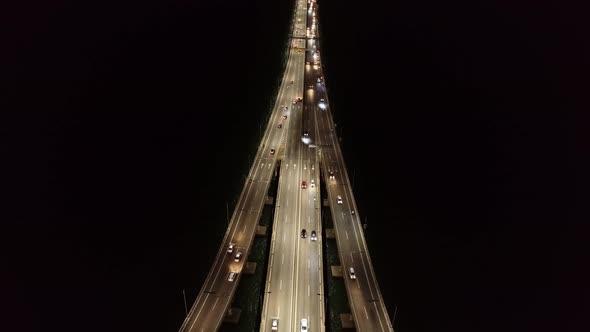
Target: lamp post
x=185 y=307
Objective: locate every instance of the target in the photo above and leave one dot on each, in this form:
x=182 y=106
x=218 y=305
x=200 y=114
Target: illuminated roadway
x=212 y=303
x=294 y=283
x=366 y=303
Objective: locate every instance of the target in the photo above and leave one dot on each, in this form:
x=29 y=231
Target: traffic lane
x=366 y=282
x=222 y=261
x=238 y=222
x=308 y=272
x=288 y=210
x=286 y=229
x=281 y=280
x=298 y=243
x=213 y=285
x=282 y=249
x=351 y=227
x=292 y=235
x=226 y=264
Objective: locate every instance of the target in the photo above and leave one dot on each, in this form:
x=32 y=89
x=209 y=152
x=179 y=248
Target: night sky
x=127 y=126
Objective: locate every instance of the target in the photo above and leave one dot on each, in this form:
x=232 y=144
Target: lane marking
x=214 y=304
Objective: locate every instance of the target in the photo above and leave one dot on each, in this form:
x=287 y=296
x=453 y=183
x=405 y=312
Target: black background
x=128 y=126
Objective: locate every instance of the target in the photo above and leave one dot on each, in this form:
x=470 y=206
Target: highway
x=368 y=310
x=215 y=296
x=294 y=283
x=294 y=288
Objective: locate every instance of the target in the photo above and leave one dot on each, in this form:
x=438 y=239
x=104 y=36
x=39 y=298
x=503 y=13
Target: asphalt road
x=294 y=285
x=364 y=296
x=215 y=296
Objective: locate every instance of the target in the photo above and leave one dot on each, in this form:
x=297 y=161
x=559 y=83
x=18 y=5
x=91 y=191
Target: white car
x=275 y=324
x=314 y=236
x=339 y=199
x=238 y=257
x=230 y=248
x=312 y=183
x=332 y=177
x=232 y=276
x=303 y=325
x=351 y=273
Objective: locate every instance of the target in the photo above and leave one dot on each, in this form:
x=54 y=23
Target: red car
x=303 y=185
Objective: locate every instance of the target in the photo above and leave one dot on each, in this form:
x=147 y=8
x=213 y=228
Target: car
x=232 y=276
x=230 y=248
x=303 y=185
x=352 y=212
x=298 y=98
x=339 y=199
x=292 y=82
x=285 y=117
x=280 y=126
x=272 y=151
x=286 y=108
x=314 y=236
x=238 y=257
x=303 y=324
x=303 y=233
x=312 y=183
x=332 y=175
x=319 y=80
x=294 y=101
x=311 y=86
x=351 y=273
x=322 y=100
x=274 y=325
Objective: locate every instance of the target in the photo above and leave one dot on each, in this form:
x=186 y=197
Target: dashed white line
x=214 y=304
x=366 y=314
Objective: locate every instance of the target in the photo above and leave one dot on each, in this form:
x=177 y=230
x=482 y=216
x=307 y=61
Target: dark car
x=280 y=126
x=303 y=233
x=272 y=151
